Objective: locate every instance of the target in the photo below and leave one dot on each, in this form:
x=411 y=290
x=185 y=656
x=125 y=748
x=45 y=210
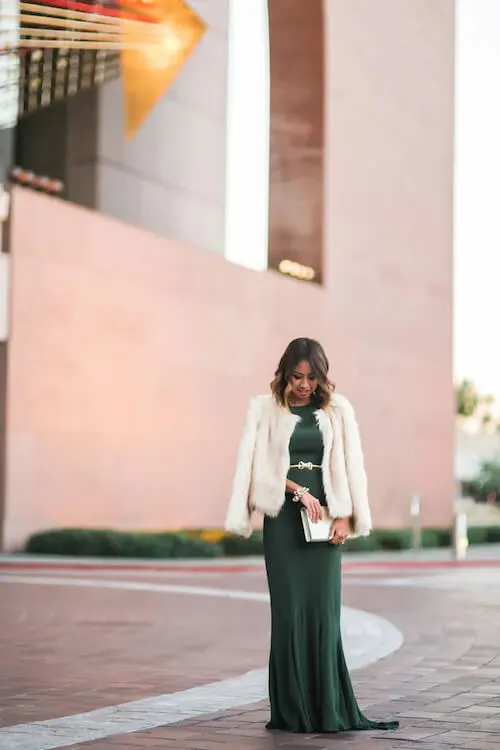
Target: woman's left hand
x=340 y=530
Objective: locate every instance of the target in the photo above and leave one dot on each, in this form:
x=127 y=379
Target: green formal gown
x=310 y=689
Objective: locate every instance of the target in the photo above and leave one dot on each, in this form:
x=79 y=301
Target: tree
x=488 y=479
x=468 y=398
x=485 y=486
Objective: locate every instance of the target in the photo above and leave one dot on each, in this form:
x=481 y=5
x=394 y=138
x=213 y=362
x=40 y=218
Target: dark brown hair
x=297 y=351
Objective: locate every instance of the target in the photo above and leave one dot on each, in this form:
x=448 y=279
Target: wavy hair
x=297 y=351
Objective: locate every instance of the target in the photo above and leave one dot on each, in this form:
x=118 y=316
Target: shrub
x=236 y=546
x=206 y=535
x=396 y=539
x=432 y=538
x=493 y=534
x=108 y=543
x=488 y=479
x=478 y=534
x=201 y=544
x=486 y=484
x=469 y=488
x=362 y=544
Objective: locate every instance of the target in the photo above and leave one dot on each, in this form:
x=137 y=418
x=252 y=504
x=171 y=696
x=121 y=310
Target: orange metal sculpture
x=153 y=38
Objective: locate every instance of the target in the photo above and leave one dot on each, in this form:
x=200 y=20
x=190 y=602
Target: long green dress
x=310 y=689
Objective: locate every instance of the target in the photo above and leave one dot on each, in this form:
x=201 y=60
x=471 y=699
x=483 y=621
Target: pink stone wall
x=131 y=357
x=389 y=207
x=131 y=362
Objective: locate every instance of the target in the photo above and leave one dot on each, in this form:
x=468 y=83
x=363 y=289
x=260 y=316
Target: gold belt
x=305 y=465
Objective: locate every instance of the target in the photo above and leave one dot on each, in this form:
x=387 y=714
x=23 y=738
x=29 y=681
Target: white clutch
x=316 y=532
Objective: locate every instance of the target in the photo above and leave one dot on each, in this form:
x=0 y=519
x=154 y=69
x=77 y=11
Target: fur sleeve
x=238 y=513
x=356 y=474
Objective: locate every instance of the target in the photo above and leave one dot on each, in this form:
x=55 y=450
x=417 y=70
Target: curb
x=258 y=566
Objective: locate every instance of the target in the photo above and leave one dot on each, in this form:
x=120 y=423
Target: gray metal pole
x=416 y=527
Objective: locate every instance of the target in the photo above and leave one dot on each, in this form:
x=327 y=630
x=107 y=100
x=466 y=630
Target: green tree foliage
x=468 y=398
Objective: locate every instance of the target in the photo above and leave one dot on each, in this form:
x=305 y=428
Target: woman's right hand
x=313 y=507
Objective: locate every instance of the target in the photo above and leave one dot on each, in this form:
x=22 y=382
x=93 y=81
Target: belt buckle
x=305 y=465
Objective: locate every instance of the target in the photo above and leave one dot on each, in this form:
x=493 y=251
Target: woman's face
x=302 y=382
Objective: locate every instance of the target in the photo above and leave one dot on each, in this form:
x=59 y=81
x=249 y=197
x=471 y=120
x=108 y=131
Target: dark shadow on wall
x=297 y=133
x=60 y=141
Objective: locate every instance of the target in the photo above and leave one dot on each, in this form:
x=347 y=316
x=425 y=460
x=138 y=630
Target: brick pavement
x=66 y=650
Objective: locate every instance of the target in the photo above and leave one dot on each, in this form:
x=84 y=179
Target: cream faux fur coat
x=264 y=460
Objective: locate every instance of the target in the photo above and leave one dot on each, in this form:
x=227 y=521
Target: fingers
x=315 y=512
x=337 y=537
x=334 y=538
x=314 y=515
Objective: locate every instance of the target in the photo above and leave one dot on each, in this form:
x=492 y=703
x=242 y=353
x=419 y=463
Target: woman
x=301 y=449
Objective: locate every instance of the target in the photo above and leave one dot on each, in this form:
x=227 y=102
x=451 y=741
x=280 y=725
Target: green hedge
x=194 y=544
x=107 y=543
x=484 y=535
x=237 y=546
x=380 y=540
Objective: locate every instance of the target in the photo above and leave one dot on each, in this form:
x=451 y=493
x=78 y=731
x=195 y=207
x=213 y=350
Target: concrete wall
x=389 y=265
x=131 y=361
x=132 y=356
x=171 y=176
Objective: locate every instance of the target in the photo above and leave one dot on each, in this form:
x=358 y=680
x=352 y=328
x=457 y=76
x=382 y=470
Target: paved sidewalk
x=68 y=648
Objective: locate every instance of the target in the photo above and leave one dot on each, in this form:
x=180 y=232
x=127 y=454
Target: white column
x=248 y=128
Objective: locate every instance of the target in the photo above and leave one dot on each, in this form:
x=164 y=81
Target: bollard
x=415 y=522
x=460 y=536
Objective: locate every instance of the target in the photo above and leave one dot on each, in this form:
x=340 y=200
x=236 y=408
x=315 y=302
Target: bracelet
x=299 y=494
